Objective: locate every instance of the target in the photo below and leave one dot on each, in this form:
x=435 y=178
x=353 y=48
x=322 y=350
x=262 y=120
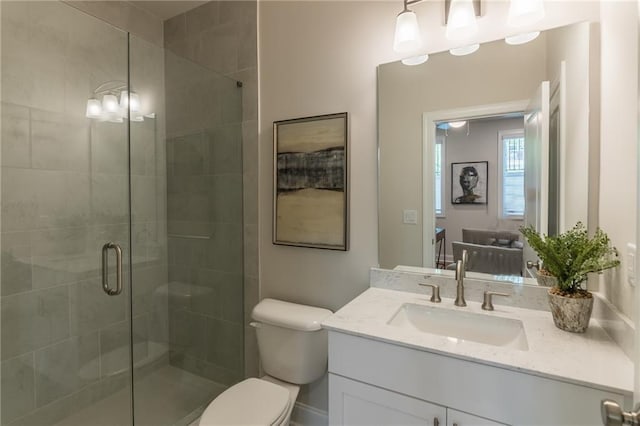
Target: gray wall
x=221 y=36
x=124 y=15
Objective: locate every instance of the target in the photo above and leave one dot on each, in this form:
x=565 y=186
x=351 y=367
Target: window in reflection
x=511 y=183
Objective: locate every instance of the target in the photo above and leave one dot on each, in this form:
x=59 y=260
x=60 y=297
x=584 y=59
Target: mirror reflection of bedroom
x=479 y=189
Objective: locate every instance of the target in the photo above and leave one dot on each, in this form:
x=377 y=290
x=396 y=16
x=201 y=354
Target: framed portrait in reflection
x=469 y=182
x=310 y=199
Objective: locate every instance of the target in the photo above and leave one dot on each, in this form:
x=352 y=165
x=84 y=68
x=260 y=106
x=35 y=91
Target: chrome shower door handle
x=105 y=269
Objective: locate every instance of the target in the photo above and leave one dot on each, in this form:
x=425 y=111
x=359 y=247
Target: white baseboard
x=305 y=415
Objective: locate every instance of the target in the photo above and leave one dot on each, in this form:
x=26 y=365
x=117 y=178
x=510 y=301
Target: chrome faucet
x=460 y=273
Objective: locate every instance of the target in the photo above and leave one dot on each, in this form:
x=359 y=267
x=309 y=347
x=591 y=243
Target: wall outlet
x=631 y=264
x=410 y=217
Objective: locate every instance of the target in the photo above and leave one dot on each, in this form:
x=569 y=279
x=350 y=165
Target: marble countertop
x=592 y=358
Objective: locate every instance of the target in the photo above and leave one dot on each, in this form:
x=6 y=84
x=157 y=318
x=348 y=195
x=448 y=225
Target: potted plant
x=570 y=257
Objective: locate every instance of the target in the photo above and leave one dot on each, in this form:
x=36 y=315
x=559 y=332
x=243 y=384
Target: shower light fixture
x=112 y=110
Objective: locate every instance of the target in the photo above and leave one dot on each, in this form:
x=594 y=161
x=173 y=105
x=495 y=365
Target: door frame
x=429 y=120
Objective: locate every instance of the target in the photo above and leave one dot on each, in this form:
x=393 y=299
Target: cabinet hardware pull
x=436 y=422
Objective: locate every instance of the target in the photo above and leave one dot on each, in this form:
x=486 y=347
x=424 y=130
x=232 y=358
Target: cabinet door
x=457 y=418
x=356 y=403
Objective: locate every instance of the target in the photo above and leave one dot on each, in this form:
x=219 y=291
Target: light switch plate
x=410 y=217
x=631 y=264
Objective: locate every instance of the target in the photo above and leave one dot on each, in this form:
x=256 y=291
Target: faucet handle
x=537 y=264
x=487 y=304
x=435 y=294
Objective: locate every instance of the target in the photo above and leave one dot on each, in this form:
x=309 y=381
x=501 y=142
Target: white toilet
x=293 y=351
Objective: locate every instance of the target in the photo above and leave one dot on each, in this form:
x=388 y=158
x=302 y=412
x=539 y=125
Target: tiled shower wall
x=64 y=194
x=221 y=36
x=204 y=212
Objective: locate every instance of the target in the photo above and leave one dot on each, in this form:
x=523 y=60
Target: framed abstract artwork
x=310 y=181
x=469 y=182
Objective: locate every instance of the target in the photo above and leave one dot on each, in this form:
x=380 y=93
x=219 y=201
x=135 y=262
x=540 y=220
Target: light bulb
x=457 y=124
x=407 y=36
x=127 y=98
x=110 y=103
x=134 y=101
x=522 y=38
x=464 y=50
x=461 y=23
x=94 y=108
x=525 y=12
x=415 y=60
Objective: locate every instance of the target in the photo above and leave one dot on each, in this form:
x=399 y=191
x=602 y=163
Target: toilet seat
x=250 y=402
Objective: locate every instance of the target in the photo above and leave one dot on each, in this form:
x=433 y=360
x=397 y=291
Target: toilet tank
x=292 y=344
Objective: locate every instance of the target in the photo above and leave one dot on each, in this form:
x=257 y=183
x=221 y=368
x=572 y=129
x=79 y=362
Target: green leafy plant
x=572 y=255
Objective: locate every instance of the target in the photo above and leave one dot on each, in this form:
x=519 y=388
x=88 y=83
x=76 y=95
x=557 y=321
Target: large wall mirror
x=473 y=147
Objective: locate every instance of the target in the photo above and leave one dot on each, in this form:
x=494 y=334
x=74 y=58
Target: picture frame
x=469 y=182
x=310 y=182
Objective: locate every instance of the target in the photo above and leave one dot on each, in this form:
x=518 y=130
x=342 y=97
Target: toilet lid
x=250 y=402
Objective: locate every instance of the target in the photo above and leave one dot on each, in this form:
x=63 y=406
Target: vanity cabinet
x=384 y=383
x=355 y=403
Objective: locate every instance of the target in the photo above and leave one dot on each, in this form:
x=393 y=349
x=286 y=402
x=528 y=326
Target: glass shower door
x=65 y=325
x=187 y=191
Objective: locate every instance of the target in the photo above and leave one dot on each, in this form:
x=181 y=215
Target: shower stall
x=121 y=278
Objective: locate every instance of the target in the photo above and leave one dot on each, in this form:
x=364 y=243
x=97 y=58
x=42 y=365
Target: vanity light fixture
x=461 y=20
x=407 y=35
x=462 y=25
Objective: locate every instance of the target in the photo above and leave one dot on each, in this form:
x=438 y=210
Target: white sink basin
x=460 y=326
